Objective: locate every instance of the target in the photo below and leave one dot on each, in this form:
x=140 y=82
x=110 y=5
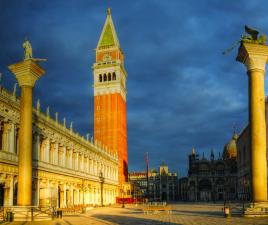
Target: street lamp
x=123 y=198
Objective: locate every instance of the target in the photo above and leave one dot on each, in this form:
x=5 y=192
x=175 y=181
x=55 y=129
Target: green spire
x=108 y=35
x=107 y=38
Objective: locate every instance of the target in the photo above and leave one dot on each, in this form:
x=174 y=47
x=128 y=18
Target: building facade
x=212 y=179
x=162 y=184
x=243 y=161
x=139 y=181
x=68 y=169
x=110 y=76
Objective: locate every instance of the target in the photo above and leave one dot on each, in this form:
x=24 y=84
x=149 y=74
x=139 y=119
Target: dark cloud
x=182 y=92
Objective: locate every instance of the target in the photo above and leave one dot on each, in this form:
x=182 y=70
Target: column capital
x=27 y=72
x=253 y=56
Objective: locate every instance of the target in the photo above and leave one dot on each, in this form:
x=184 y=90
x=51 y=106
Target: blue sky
x=182 y=92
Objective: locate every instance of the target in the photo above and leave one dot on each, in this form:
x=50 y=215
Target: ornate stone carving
x=254 y=62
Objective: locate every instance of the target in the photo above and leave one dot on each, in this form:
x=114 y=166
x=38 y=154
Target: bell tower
x=110 y=123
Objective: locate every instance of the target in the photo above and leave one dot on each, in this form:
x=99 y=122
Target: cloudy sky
x=182 y=92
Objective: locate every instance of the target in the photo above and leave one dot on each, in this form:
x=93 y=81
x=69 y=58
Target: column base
x=27 y=213
x=256 y=209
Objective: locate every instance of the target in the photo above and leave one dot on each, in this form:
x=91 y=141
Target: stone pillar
x=12 y=138
x=8 y=191
x=81 y=162
x=36 y=147
x=81 y=196
x=76 y=161
x=71 y=195
x=51 y=152
x=68 y=200
x=60 y=156
x=67 y=158
x=71 y=158
x=26 y=72
x=254 y=57
x=62 y=196
x=47 y=150
x=6 y=136
x=91 y=166
x=56 y=153
x=37 y=192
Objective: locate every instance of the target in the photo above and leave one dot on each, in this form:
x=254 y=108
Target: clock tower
x=110 y=123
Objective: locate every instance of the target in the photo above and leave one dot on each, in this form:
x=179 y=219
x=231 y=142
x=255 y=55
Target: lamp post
x=123 y=199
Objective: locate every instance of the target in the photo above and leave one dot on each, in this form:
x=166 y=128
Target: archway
x=164 y=196
x=205 y=190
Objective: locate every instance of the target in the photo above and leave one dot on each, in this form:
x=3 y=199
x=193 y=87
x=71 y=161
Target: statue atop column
x=253 y=36
x=28 y=52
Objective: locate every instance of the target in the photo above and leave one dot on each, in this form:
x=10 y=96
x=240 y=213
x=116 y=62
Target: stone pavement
x=183 y=214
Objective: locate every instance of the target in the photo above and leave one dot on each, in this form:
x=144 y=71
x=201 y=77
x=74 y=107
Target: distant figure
x=28 y=52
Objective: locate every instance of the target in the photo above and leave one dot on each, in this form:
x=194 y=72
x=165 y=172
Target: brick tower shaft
x=110 y=122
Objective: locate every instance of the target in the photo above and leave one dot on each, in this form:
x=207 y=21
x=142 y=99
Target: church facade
x=211 y=179
x=69 y=169
x=162 y=184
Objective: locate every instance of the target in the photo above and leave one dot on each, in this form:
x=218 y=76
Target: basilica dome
x=230 y=150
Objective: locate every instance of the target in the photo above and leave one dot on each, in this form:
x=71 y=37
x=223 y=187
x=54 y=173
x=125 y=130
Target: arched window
x=114 y=76
x=109 y=76
x=100 y=78
x=104 y=77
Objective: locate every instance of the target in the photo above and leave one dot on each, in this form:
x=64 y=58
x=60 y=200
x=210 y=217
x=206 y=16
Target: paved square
x=183 y=214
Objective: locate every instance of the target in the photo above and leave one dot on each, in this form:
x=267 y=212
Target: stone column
x=60 y=153
x=67 y=158
x=55 y=153
x=26 y=72
x=62 y=196
x=47 y=150
x=36 y=146
x=6 y=136
x=81 y=162
x=254 y=57
x=37 y=192
x=12 y=138
x=8 y=191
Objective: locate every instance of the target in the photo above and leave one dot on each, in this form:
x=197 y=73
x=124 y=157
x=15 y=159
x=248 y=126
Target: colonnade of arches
x=107 y=77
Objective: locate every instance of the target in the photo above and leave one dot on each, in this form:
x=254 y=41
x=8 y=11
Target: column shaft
x=258 y=135
x=25 y=151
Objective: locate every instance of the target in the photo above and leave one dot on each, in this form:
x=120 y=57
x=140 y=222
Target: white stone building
x=68 y=169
